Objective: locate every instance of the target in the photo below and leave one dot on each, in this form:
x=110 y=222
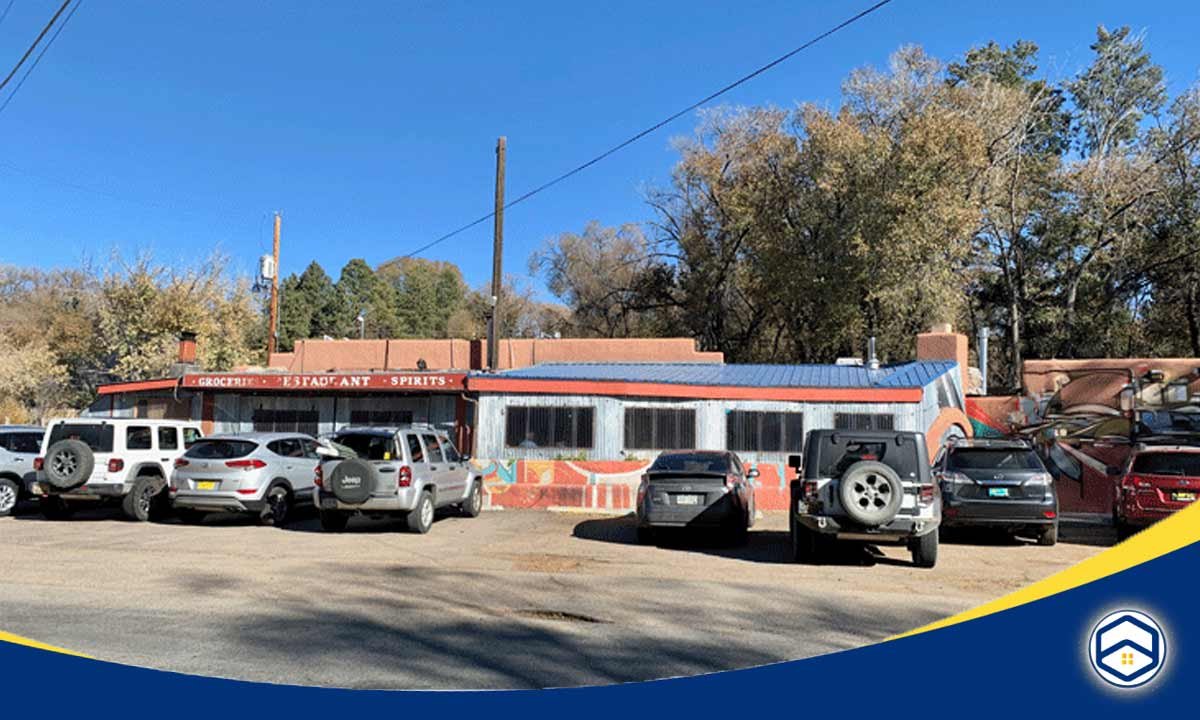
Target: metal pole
x=273 y=331
x=497 y=258
x=982 y=350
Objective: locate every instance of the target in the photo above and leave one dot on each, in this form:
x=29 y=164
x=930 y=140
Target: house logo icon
x=1127 y=648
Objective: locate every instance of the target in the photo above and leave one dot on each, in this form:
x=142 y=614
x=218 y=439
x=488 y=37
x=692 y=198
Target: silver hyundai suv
x=407 y=471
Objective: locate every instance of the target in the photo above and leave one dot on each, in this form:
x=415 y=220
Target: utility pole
x=497 y=257
x=273 y=336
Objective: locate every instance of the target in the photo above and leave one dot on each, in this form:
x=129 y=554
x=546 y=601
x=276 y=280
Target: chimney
x=942 y=343
x=872 y=358
x=187 y=348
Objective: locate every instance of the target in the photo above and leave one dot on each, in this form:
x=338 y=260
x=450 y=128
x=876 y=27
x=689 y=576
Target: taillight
x=926 y=494
x=251 y=464
x=730 y=480
x=180 y=462
x=809 y=490
x=39 y=463
x=116 y=465
x=319 y=476
x=1049 y=514
x=1137 y=481
x=641 y=495
x=404 y=478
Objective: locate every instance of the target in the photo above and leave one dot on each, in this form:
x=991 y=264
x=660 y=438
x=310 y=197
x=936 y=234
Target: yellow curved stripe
x=1177 y=531
x=18 y=640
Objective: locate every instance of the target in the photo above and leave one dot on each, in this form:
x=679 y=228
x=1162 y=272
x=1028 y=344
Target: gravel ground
x=511 y=599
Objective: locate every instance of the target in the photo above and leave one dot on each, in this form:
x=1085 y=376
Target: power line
x=36 y=40
x=656 y=126
x=38 y=59
x=5 y=13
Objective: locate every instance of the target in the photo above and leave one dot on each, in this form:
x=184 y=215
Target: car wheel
x=739 y=534
x=1125 y=530
x=645 y=535
x=9 y=492
x=473 y=505
x=333 y=521
x=421 y=517
x=806 y=545
x=139 y=501
x=188 y=516
x=1049 y=536
x=924 y=550
x=277 y=506
x=55 y=508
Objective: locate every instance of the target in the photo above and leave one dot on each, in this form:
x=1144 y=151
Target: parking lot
x=512 y=599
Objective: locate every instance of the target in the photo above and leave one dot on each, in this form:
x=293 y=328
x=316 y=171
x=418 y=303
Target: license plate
x=997 y=492
x=329 y=503
x=206 y=485
x=688 y=499
x=1183 y=497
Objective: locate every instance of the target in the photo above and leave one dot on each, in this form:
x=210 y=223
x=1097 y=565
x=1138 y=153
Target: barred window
x=548 y=427
x=864 y=421
x=301 y=421
x=660 y=428
x=381 y=417
x=766 y=432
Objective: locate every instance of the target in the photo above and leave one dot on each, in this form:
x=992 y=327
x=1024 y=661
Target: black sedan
x=696 y=488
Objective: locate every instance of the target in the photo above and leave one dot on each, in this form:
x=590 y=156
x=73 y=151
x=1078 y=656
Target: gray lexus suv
x=997 y=484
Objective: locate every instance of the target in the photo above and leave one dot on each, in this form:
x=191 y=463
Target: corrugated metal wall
x=609 y=423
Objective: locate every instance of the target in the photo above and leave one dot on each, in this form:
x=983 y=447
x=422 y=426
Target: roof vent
x=872 y=358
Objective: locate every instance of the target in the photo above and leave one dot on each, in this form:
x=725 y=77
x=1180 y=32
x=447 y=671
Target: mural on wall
x=1086 y=417
x=599 y=486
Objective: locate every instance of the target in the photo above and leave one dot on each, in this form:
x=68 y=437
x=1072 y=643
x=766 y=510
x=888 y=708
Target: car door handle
x=433 y=467
x=165 y=459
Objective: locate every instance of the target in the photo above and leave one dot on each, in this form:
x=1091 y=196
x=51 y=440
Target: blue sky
x=174 y=128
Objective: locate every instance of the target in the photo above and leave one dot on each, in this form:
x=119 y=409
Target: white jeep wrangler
x=125 y=460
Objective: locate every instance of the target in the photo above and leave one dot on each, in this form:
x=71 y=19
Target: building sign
x=369 y=381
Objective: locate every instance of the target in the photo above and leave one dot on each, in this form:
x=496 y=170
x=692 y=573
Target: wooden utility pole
x=273 y=336
x=497 y=258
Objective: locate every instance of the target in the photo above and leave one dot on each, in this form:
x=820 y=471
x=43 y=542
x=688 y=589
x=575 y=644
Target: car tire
x=807 y=546
x=10 y=492
x=871 y=493
x=277 y=506
x=1049 y=536
x=138 y=503
x=421 y=518
x=473 y=505
x=645 y=535
x=924 y=550
x=333 y=520
x=739 y=534
x=55 y=508
x=1125 y=530
x=188 y=516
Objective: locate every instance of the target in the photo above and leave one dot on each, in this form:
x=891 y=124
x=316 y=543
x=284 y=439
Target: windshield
x=1166 y=463
x=994 y=459
x=218 y=449
x=691 y=462
x=368 y=446
x=97 y=436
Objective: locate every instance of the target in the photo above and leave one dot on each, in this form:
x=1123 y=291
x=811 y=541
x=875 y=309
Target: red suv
x=1157 y=481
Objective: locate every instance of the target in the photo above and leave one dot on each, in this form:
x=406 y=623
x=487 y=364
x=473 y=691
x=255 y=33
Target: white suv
x=126 y=460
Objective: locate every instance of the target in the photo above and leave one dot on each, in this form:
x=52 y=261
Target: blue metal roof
x=905 y=375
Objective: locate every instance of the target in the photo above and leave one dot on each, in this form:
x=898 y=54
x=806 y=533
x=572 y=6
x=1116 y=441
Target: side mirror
x=753 y=473
x=795 y=462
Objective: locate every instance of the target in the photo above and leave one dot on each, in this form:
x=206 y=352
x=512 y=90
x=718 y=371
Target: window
x=660 y=428
x=1168 y=463
x=190 y=436
x=702 y=462
x=22 y=442
x=138 y=437
x=765 y=432
x=993 y=459
x=220 y=449
x=168 y=438
x=99 y=437
x=287 y=447
x=451 y=452
x=864 y=421
x=548 y=427
x=381 y=418
x=368 y=446
x=414 y=449
x=301 y=421
x=434 y=448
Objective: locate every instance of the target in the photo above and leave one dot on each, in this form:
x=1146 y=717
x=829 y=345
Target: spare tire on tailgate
x=871 y=493
x=352 y=480
x=68 y=464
